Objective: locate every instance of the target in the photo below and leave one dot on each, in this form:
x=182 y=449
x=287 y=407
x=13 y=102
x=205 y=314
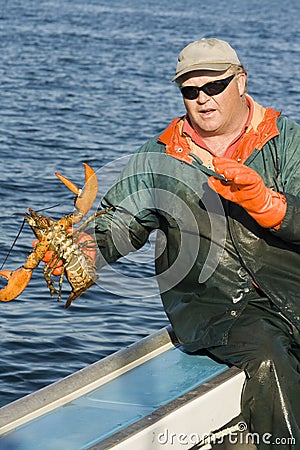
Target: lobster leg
x=48 y=271
x=85 y=197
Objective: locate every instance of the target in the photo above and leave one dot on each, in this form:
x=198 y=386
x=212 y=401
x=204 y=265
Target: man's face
x=218 y=114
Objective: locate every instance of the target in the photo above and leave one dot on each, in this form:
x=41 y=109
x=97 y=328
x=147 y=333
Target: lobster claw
x=17 y=282
x=85 y=197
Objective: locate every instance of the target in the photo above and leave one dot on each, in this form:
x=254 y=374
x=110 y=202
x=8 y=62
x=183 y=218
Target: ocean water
x=89 y=81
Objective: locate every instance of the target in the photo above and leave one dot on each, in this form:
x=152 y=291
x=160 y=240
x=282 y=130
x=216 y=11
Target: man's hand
x=89 y=248
x=245 y=187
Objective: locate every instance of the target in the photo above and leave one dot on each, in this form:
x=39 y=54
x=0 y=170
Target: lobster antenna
x=13 y=244
x=20 y=231
x=48 y=207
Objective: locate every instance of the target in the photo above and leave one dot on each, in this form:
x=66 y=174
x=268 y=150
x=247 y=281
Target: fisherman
x=222 y=184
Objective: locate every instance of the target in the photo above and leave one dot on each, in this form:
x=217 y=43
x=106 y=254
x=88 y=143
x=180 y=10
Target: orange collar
x=263 y=127
x=176 y=144
x=189 y=130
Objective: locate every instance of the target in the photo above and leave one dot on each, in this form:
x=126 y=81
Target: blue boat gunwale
x=96 y=375
x=62 y=391
x=166 y=410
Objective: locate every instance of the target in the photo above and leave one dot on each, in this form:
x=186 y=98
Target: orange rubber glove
x=90 y=250
x=47 y=258
x=245 y=187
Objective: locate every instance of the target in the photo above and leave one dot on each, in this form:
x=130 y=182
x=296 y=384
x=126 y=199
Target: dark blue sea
x=89 y=81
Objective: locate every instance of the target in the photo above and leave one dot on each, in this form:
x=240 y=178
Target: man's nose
x=202 y=97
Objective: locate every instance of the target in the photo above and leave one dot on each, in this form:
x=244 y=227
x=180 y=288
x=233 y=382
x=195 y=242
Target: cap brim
x=215 y=67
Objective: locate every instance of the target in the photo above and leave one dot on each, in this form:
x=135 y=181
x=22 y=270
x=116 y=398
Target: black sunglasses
x=212 y=88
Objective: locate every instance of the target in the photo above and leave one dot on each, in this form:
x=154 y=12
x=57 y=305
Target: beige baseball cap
x=206 y=54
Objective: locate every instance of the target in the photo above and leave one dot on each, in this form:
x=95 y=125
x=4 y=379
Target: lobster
x=64 y=245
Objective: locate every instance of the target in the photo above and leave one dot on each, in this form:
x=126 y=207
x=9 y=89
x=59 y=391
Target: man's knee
x=271 y=355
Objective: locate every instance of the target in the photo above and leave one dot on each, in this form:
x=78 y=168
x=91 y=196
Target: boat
x=152 y=395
